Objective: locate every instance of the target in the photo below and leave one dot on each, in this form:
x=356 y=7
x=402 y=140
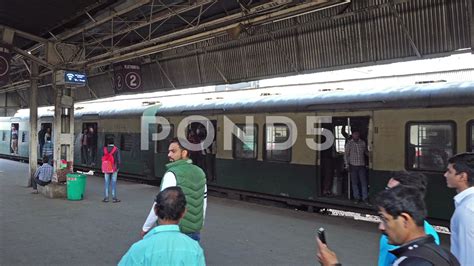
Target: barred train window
x=126 y=142
x=4 y=135
x=274 y=134
x=470 y=127
x=162 y=145
x=246 y=149
x=429 y=145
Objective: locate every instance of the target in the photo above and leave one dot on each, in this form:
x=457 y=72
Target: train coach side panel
x=295 y=179
x=390 y=151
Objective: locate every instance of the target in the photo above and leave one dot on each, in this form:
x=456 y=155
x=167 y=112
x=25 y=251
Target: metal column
x=33 y=143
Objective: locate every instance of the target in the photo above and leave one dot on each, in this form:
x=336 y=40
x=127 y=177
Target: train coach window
x=126 y=142
x=4 y=135
x=244 y=144
x=162 y=145
x=275 y=134
x=429 y=145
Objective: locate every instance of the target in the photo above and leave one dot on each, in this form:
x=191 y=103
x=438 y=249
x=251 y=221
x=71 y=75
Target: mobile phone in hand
x=322 y=235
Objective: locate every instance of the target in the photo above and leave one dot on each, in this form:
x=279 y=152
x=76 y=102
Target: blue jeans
x=359 y=176
x=196 y=236
x=114 y=184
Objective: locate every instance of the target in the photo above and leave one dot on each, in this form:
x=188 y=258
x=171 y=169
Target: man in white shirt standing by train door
x=460 y=175
x=192 y=180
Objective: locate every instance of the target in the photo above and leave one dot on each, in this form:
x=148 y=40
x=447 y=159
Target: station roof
x=190 y=43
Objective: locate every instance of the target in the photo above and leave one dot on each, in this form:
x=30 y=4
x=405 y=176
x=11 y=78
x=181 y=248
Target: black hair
x=464 y=163
x=109 y=141
x=179 y=142
x=403 y=199
x=48 y=138
x=411 y=179
x=45 y=159
x=170 y=204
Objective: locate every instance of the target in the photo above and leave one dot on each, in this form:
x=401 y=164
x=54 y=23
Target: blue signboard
x=72 y=77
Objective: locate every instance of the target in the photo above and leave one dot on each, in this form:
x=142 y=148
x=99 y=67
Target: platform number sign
x=133 y=80
x=127 y=77
x=4 y=65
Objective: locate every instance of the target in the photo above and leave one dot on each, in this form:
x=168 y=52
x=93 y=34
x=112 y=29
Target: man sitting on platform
x=43 y=175
x=165 y=244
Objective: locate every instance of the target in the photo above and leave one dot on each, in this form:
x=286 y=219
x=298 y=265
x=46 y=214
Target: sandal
x=116 y=200
x=105 y=200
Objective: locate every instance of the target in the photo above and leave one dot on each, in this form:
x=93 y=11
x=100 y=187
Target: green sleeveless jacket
x=192 y=180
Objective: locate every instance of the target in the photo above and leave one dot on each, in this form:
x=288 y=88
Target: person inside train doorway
x=354 y=158
x=14 y=142
x=48 y=134
x=328 y=157
x=111 y=162
x=84 y=148
x=191 y=179
x=42 y=176
x=92 y=146
x=48 y=150
x=210 y=168
x=41 y=138
x=460 y=176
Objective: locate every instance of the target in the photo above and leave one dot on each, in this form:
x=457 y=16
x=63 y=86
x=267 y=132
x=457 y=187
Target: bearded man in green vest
x=192 y=180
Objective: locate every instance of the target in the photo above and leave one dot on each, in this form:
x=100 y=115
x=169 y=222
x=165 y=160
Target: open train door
x=335 y=178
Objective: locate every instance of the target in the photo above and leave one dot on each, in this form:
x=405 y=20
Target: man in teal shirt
x=165 y=244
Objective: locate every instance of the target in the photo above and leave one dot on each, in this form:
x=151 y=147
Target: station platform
x=42 y=231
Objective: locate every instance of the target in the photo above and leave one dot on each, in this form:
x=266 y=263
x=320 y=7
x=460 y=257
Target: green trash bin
x=76 y=186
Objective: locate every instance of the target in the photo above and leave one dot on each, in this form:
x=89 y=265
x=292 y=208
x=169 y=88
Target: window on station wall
x=470 y=136
x=126 y=142
x=244 y=144
x=274 y=134
x=162 y=145
x=429 y=145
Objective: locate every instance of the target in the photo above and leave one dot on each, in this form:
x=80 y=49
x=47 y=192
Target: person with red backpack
x=110 y=166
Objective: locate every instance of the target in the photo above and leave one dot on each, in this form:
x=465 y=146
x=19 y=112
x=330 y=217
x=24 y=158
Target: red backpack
x=108 y=161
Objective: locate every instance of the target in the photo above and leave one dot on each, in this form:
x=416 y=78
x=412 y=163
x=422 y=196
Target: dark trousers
x=35 y=182
x=327 y=170
x=359 y=178
x=41 y=148
x=84 y=155
x=196 y=236
x=210 y=166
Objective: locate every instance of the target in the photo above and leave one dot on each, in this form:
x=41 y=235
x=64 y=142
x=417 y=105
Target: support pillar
x=63 y=135
x=33 y=144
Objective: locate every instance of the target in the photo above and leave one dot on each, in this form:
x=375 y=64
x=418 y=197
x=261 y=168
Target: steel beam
x=404 y=28
x=121 y=55
x=159 y=17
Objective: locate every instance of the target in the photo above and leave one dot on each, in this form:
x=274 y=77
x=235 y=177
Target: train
x=413 y=128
